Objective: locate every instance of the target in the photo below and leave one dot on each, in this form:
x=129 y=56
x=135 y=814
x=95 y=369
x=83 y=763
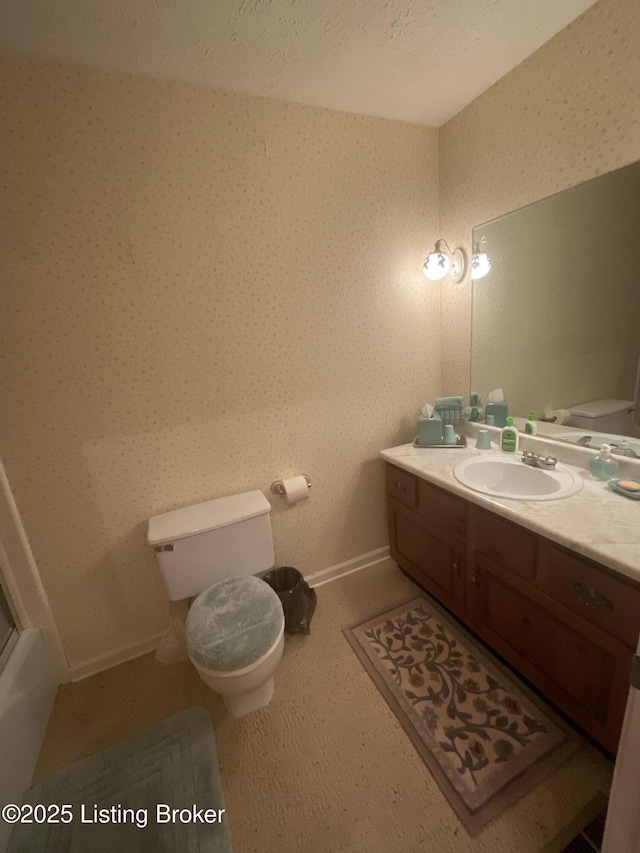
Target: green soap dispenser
x=531 y=427
x=509 y=437
x=604 y=466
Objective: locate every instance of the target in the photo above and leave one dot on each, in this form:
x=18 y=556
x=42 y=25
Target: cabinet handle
x=475 y=577
x=591 y=598
x=400 y=487
x=457 y=568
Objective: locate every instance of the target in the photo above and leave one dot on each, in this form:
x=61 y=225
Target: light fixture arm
x=440 y=243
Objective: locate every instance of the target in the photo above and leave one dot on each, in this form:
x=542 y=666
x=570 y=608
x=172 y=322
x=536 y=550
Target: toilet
x=235 y=626
x=613 y=416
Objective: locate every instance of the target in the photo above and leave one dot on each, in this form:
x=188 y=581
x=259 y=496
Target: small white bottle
x=509 y=437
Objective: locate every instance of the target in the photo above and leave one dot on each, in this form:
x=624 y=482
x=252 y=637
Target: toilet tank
x=197 y=546
x=602 y=416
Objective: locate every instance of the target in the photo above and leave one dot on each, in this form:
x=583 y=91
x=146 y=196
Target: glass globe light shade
x=436 y=266
x=480 y=265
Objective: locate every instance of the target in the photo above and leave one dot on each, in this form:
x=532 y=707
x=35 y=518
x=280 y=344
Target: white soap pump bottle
x=509 y=437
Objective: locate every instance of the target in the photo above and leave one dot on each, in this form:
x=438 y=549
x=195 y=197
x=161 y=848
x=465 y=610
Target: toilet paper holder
x=277 y=487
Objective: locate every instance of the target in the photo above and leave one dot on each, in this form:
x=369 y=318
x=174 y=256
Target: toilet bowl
x=235 y=636
x=234 y=629
x=248 y=689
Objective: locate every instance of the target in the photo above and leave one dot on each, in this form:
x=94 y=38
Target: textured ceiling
x=415 y=60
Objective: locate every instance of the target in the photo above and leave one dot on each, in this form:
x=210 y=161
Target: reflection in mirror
x=556 y=321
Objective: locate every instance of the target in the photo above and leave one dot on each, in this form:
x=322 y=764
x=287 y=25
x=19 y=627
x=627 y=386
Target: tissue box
x=429 y=430
x=499 y=412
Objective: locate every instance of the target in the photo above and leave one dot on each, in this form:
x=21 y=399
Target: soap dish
x=461 y=442
x=614 y=484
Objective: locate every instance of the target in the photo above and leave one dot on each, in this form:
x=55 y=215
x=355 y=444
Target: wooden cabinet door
x=431 y=557
x=579 y=667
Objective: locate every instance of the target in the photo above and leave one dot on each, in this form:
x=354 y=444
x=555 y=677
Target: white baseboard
x=348 y=567
x=125 y=653
x=116 y=656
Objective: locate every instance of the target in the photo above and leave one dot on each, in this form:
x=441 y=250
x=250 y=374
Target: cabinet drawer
x=402 y=486
x=443 y=509
x=504 y=543
x=599 y=597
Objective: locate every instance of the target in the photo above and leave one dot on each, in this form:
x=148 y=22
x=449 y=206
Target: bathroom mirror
x=556 y=321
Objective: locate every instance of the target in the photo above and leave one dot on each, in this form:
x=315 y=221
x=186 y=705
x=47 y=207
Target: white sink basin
x=511 y=478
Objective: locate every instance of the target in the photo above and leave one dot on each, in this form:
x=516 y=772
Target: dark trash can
x=297 y=597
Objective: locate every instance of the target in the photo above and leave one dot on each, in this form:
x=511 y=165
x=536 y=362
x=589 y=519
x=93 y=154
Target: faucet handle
x=531 y=458
x=548 y=462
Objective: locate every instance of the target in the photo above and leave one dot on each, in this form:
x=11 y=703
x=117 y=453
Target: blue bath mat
x=123 y=799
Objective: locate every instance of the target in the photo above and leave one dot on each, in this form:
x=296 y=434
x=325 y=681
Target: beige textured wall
x=202 y=292
x=568 y=113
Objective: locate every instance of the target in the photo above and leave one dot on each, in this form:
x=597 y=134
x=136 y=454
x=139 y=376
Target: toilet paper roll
x=561 y=415
x=296 y=489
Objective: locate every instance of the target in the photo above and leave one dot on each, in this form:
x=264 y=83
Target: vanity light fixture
x=442 y=261
x=480 y=262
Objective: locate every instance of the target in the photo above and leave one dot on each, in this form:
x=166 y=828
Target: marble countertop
x=596 y=522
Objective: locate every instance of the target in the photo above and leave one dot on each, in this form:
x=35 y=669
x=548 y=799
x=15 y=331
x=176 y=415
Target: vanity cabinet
x=567 y=624
x=427 y=528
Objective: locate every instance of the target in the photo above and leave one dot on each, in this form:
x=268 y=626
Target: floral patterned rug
x=486 y=738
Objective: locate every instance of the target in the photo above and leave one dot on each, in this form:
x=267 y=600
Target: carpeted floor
x=326 y=766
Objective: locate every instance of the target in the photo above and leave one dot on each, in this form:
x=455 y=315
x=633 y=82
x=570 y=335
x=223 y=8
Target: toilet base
x=245 y=703
x=248 y=689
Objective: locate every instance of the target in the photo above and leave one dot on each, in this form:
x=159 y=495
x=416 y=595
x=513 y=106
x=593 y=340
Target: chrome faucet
x=531 y=458
x=623 y=449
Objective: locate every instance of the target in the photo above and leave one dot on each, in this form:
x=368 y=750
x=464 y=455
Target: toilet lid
x=232 y=624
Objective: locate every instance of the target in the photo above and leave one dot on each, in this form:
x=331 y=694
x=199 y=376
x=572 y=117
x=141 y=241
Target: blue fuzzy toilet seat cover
x=232 y=624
